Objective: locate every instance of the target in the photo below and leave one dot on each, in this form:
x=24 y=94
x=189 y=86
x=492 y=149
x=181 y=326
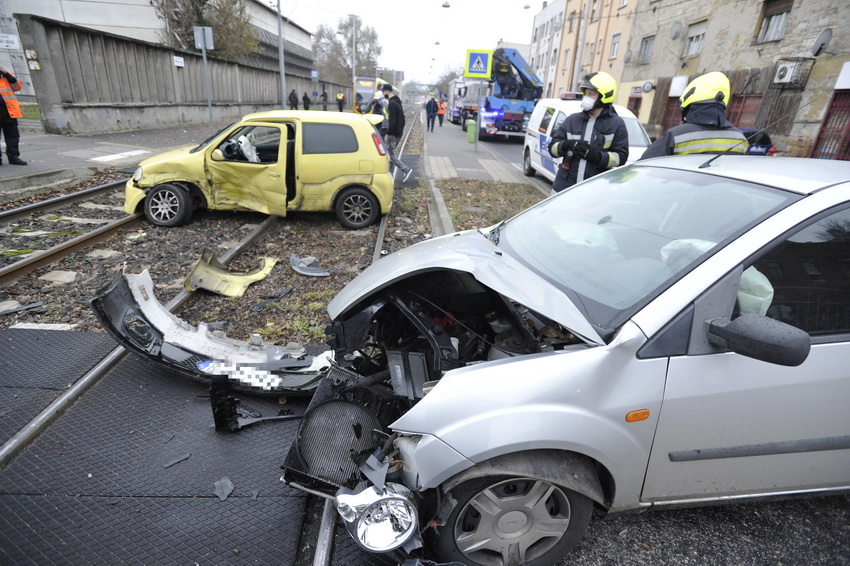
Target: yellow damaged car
x=272 y=162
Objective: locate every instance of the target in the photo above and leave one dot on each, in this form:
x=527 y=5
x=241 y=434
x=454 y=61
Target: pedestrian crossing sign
x=479 y=64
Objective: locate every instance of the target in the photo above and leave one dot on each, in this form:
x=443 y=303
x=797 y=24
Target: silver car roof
x=796 y=174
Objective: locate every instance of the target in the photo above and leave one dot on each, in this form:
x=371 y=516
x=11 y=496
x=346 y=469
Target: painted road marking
x=114 y=156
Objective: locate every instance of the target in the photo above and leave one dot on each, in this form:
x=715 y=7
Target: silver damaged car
x=674 y=332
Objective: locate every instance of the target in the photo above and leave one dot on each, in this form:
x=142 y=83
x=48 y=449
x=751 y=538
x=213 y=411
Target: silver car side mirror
x=761 y=338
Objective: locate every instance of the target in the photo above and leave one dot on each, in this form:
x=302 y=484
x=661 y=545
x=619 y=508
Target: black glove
x=583 y=150
x=560 y=148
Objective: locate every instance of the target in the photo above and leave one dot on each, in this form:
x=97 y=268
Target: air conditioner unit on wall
x=785 y=71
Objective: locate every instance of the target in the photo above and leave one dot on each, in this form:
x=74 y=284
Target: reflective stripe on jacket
x=7 y=91
x=606 y=133
x=709 y=141
x=691 y=138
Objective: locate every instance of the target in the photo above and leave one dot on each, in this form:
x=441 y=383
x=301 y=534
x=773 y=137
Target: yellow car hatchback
x=275 y=163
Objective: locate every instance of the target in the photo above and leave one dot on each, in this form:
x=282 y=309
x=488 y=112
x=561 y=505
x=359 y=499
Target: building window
x=696 y=34
x=646 y=49
x=594 y=11
x=599 y=46
x=588 y=54
x=615 y=46
x=774 y=20
x=566 y=59
x=624 y=3
x=572 y=22
x=554 y=57
x=742 y=110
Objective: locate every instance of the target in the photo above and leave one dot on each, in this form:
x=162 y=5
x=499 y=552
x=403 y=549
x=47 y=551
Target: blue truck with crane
x=502 y=105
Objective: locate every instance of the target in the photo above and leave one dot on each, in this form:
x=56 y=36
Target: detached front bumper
x=128 y=310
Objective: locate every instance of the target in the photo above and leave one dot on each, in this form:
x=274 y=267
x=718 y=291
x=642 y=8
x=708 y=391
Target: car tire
x=168 y=205
x=510 y=521
x=357 y=208
x=527 y=169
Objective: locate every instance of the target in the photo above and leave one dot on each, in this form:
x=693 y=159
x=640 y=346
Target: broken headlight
x=379 y=520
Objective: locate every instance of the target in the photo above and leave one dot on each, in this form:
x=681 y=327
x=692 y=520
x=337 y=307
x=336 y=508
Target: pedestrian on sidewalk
x=340 y=100
x=324 y=101
x=293 y=100
x=430 y=114
x=10 y=111
x=441 y=110
x=306 y=100
x=395 y=128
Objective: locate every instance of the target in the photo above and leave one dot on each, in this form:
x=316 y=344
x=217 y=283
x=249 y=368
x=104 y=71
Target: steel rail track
x=16 y=270
x=14 y=214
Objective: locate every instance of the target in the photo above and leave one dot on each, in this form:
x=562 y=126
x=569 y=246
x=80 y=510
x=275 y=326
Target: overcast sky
x=408 y=29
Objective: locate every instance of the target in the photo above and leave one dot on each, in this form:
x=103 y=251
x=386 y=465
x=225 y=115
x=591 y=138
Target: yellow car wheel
x=168 y=205
x=357 y=208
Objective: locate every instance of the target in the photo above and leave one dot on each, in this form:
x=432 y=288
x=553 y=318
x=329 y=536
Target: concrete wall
x=92 y=81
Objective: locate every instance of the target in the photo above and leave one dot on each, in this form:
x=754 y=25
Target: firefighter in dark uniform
x=593 y=140
x=705 y=128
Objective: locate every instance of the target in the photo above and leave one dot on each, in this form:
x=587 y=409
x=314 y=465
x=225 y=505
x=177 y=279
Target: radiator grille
x=330 y=433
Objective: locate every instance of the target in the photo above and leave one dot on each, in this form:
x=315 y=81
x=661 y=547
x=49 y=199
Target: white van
x=548 y=114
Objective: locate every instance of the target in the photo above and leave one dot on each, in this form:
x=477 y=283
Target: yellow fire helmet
x=603 y=83
x=710 y=87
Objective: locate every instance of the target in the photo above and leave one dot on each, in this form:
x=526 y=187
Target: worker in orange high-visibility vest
x=10 y=111
x=441 y=110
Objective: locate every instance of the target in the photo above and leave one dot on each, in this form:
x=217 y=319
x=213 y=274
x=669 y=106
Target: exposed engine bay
x=431 y=323
x=391 y=349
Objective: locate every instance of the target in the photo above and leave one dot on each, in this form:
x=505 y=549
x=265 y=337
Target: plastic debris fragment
x=178 y=459
x=223 y=488
x=263 y=304
x=210 y=274
x=307 y=266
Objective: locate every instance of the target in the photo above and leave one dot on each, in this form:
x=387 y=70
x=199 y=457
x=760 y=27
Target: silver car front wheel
x=508 y=521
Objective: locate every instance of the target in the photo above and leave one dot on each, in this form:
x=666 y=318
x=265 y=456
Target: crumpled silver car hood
x=471 y=252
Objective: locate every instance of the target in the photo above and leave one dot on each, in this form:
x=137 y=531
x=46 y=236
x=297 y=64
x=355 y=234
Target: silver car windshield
x=617 y=240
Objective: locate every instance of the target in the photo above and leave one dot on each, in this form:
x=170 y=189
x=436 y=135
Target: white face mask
x=587 y=103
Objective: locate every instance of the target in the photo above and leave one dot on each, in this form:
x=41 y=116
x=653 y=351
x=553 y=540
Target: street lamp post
x=353 y=47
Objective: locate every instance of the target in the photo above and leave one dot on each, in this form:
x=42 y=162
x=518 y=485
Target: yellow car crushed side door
x=247 y=169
